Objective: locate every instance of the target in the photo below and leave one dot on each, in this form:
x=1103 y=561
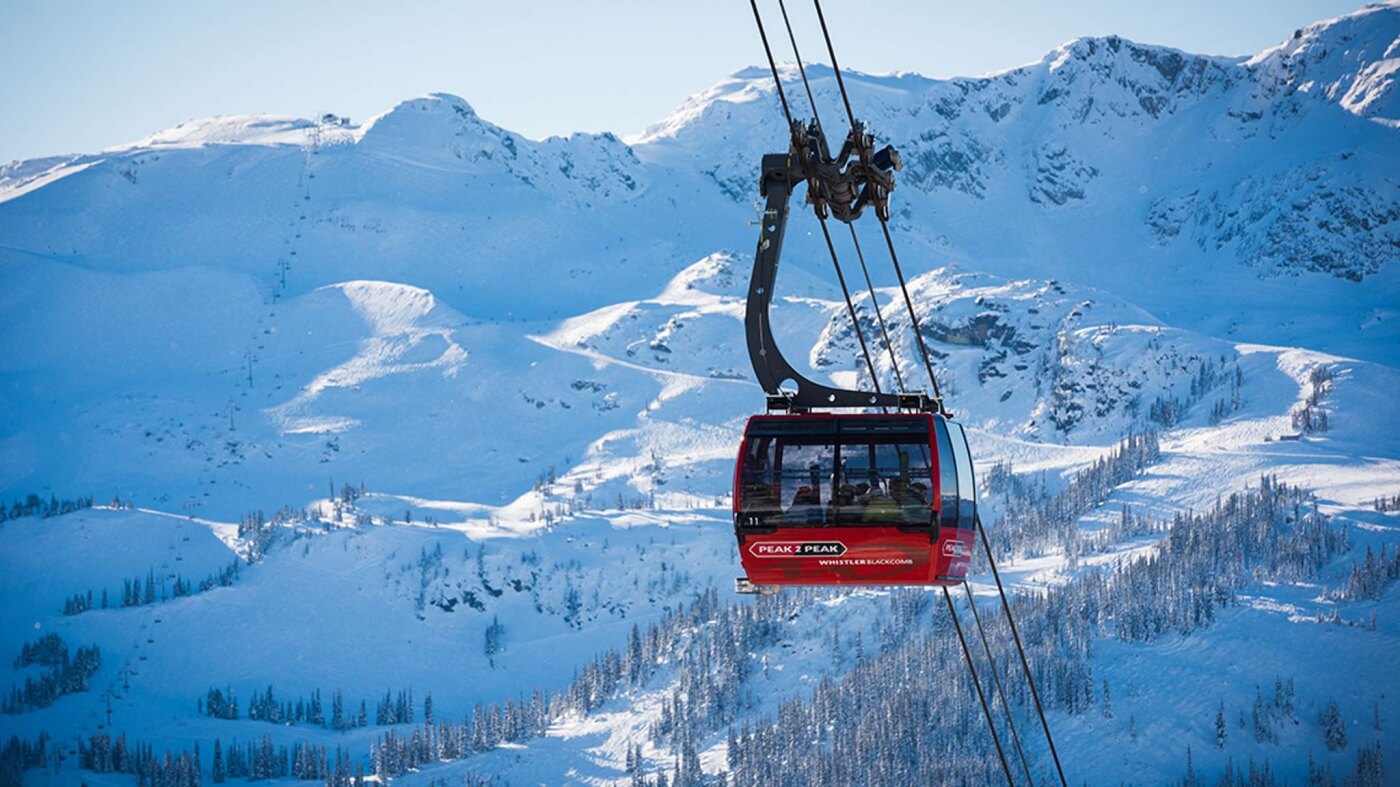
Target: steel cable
x=855 y=325
x=792 y=128
x=860 y=255
x=938 y=397
x=996 y=679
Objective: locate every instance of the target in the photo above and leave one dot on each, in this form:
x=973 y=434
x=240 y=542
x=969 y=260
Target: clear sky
x=81 y=75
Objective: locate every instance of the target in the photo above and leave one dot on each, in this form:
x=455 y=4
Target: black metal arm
x=829 y=184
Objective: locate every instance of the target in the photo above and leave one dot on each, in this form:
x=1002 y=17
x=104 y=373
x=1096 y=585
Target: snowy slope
x=371 y=608
x=524 y=360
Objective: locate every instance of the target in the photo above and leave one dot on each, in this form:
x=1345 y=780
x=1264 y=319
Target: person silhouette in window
x=881 y=510
x=806 y=506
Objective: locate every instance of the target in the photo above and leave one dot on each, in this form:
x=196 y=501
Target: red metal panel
x=855 y=556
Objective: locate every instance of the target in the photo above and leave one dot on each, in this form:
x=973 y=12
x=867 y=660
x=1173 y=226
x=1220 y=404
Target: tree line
x=1311 y=417
x=902 y=715
x=705 y=632
x=101 y=754
x=18 y=756
x=266 y=706
x=1037 y=522
x=63 y=673
x=137 y=592
x=1370 y=576
x=256 y=761
x=1167 y=411
x=36 y=506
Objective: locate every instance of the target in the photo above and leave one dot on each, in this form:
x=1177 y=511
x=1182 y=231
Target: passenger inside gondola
x=892 y=466
x=881 y=510
x=806 y=508
x=845 y=496
x=913 y=504
x=811 y=474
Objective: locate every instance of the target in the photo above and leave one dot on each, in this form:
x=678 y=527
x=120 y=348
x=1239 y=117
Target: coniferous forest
x=898 y=713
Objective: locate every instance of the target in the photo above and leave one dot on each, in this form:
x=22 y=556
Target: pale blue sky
x=80 y=75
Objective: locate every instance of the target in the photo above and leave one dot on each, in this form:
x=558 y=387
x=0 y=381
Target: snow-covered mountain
x=498 y=383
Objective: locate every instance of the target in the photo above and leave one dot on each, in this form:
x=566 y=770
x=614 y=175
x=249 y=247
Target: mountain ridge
x=491 y=388
x=1067 y=193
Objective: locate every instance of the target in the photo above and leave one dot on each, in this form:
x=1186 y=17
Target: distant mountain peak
x=1105 y=49
x=427 y=121
x=228 y=130
x=1351 y=60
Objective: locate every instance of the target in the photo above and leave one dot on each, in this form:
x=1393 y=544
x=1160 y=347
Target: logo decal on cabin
x=797 y=549
x=952 y=548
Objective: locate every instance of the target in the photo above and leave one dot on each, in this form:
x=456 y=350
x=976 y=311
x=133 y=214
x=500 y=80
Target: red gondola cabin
x=854 y=499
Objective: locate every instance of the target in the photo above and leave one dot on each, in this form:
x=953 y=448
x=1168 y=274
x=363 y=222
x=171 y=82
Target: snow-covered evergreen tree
x=1334 y=728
